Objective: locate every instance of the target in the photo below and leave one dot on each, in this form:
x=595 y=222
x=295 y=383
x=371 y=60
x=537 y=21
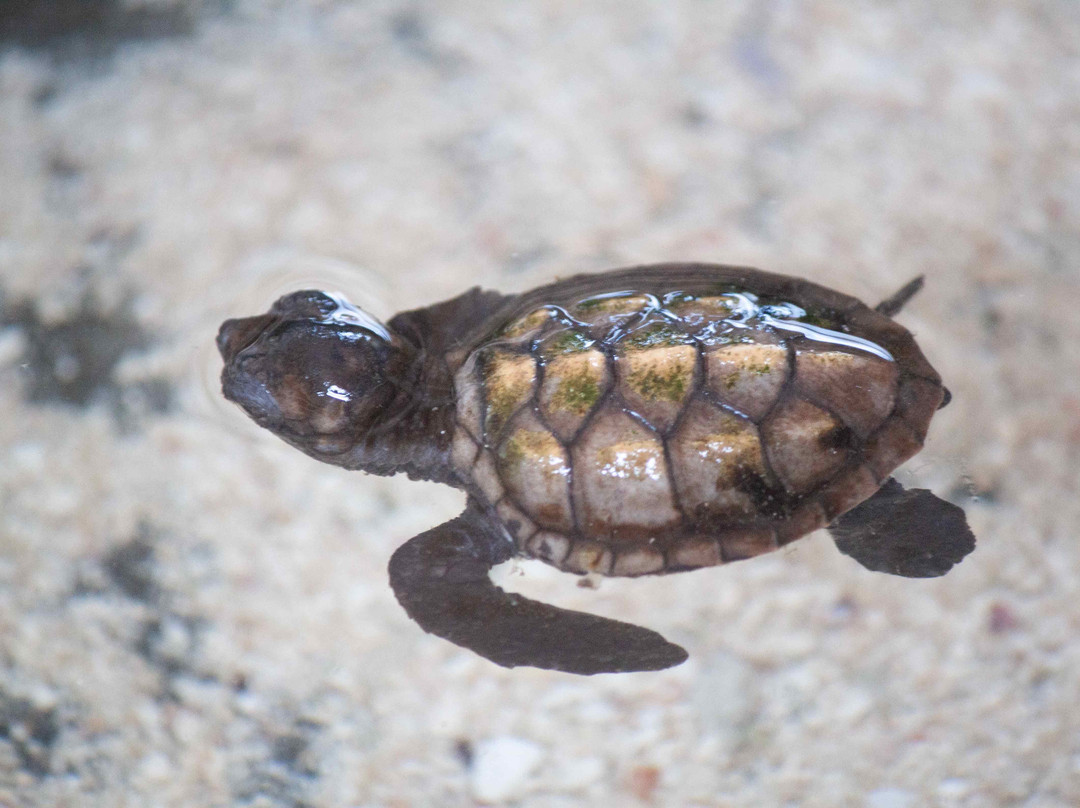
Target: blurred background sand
x=193 y=614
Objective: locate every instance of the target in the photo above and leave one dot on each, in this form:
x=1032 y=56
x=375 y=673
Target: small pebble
x=890 y=798
x=12 y=346
x=1002 y=619
x=953 y=787
x=643 y=781
x=501 y=766
x=578 y=773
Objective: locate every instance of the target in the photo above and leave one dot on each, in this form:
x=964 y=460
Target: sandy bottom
x=193 y=614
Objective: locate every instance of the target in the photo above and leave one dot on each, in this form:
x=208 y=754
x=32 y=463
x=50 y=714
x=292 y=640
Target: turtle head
x=314 y=370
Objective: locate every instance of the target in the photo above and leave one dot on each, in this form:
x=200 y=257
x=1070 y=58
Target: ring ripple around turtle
x=642 y=421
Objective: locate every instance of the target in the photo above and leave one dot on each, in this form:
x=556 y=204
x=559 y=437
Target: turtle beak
x=238 y=382
x=236 y=335
x=243 y=388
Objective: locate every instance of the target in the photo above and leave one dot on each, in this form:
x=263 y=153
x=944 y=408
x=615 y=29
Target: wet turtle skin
x=642 y=421
x=684 y=421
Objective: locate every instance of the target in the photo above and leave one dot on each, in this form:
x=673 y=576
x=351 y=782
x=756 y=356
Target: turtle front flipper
x=441 y=579
x=910 y=533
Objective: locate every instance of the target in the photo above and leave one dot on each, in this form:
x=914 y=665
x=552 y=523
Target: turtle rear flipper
x=441 y=579
x=910 y=533
x=891 y=305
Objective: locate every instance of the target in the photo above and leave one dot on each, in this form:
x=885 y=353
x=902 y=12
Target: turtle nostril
x=226 y=339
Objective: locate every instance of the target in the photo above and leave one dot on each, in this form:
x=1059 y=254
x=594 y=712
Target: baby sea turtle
x=636 y=422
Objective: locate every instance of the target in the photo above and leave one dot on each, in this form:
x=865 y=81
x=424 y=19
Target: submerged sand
x=193 y=614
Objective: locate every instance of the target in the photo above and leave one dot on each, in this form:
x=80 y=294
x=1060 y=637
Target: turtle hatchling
x=641 y=421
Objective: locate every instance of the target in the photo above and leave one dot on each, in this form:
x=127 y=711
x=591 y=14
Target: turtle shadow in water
x=73 y=360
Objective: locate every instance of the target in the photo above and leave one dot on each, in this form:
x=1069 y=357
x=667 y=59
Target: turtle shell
x=681 y=416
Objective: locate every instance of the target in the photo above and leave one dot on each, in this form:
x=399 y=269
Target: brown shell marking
x=657 y=366
x=805 y=444
x=711 y=452
x=622 y=486
x=694 y=310
x=860 y=390
x=509 y=379
x=601 y=313
x=617 y=437
x=535 y=467
x=574 y=382
x=748 y=377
